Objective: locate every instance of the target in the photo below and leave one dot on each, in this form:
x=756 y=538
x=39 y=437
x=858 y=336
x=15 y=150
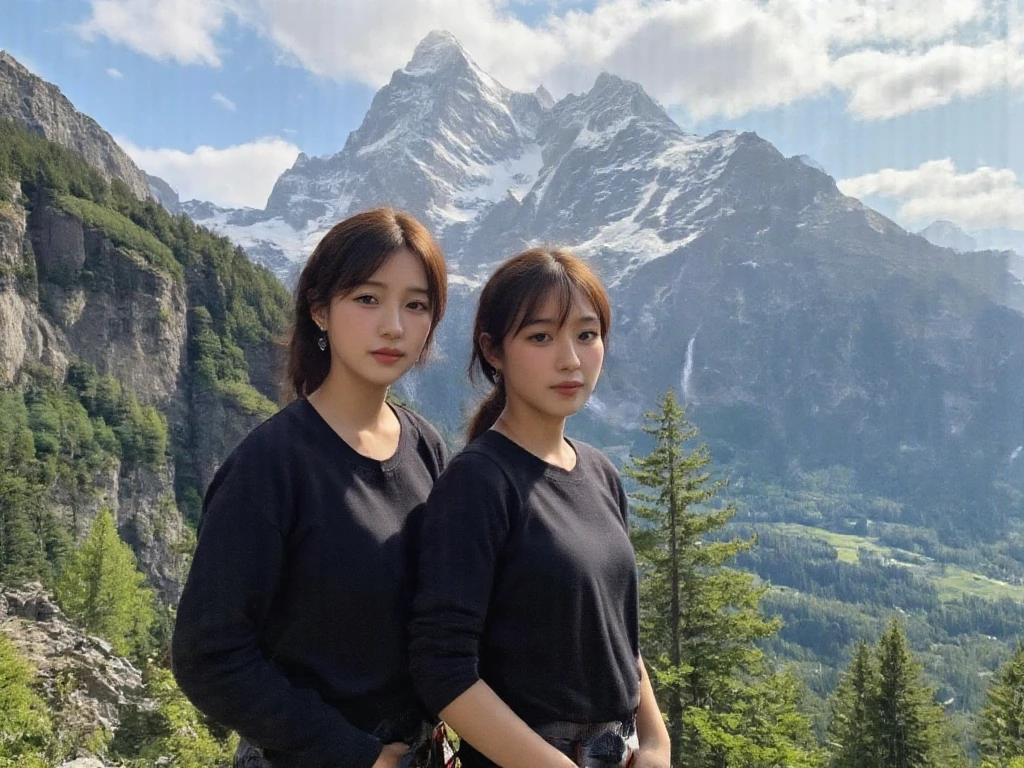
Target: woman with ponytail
x=524 y=636
x=291 y=629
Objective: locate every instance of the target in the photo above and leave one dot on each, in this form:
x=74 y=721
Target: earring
x=322 y=341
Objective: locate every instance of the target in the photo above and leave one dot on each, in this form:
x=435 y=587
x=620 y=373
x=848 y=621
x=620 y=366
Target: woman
x=291 y=626
x=524 y=635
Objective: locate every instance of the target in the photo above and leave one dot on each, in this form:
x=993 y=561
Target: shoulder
x=476 y=459
x=274 y=436
x=476 y=470
x=270 y=447
x=475 y=491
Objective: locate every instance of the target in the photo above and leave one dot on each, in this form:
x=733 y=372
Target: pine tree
x=700 y=619
x=1001 y=727
x=910 y=730
x=103 y=591
x=850 y=728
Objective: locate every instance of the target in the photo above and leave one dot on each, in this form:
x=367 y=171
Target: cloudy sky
x=915 y=106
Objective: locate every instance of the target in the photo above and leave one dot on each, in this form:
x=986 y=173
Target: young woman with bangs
x=291 y=629
x=524 y=636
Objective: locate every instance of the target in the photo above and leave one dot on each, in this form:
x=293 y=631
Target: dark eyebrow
x=378 y=284
x=589 y=319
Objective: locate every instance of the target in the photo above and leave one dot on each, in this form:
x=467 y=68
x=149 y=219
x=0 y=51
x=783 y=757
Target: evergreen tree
x=22 y=557
x=852 y=716
x=1001 y=728
x=103 y=591
x=701 y=620
x=24 y=723
x=910 y=730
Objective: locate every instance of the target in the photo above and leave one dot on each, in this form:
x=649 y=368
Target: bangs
x=554 y=285
x=563 y=286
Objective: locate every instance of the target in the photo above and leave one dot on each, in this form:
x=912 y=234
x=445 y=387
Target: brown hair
x=511 y=299
x=346 y=257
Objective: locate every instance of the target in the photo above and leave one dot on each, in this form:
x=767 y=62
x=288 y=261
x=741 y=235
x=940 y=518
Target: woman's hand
x=649 y=758
x=391 y=755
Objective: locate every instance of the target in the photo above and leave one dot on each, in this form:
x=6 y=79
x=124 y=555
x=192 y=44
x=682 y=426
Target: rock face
x=82 y=673
x=24 y=333
x=163 y=193
x=40 y=106
x=115 y=310
x=67 y=291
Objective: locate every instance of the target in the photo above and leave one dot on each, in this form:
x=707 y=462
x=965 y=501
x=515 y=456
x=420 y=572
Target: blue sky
x=917 y=106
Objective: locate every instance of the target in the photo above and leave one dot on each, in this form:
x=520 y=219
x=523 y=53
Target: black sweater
x=292 y=625
x=528 y=581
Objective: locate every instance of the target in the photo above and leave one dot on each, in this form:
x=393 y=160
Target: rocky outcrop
x=79 y=675
x=40 y=106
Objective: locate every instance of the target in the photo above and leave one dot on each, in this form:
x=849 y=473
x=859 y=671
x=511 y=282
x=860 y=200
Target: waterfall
x=688 y=370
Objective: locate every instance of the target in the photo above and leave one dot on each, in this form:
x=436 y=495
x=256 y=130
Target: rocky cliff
x=84 y=281
x=39 y=106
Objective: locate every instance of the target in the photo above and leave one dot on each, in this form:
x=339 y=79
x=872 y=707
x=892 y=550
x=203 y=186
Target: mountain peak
x=613 y=97
x=439 y=50
x=547 y=101
x=6 y=58
x=33 y=103
x=946 y=234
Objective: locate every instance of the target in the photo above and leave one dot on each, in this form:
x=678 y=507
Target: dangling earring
x=322 y=341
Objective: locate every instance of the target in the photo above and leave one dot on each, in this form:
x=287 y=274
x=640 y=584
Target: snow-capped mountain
x=798 y=325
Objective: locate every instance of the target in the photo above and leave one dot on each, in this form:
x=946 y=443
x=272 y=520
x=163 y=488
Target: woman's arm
x=655 y=748
x=215 y=653
x=481 y=718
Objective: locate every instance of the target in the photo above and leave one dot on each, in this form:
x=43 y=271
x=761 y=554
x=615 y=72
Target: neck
x=352 y=402
x=541 y=435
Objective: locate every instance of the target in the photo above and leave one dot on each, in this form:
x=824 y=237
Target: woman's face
x=549 y=368
x=376 y=331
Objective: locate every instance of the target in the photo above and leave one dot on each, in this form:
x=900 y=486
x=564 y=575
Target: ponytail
x=487 y=412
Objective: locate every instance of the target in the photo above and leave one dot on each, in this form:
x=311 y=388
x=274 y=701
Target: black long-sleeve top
x=528 y=581
x=291 y=628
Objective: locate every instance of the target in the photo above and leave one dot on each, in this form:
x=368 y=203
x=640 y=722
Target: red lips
x=568 y=387
x=387 y=355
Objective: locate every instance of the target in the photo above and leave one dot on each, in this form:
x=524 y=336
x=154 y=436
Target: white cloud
x=887 y=84
x=721 y=57
x=115 y=73
x=242 y=175
x=978 y=199
x=224 y=101
x=725 y=58
x=909 y=21
x=180 y=30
